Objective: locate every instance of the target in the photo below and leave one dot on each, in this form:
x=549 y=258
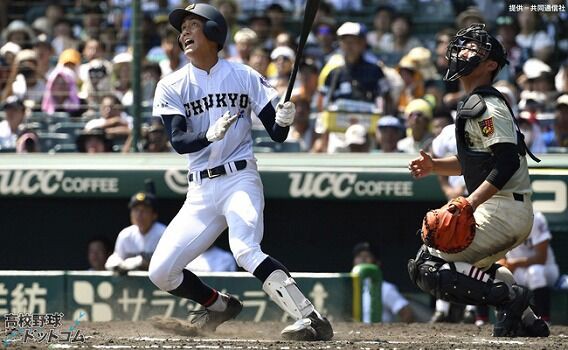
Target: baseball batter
x=207 y=107
x=491 y=157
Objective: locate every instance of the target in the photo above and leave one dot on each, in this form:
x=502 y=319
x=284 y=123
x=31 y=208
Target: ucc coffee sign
x=342 y=185
x=49 y=182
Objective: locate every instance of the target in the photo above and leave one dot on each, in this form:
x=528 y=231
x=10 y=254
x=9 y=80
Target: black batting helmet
x=214 y=28
x=477 y=40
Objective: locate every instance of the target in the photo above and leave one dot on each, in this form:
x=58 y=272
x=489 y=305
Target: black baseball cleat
x=508 y=322
x=209 y=320
x=537 y=329
x=314 y=327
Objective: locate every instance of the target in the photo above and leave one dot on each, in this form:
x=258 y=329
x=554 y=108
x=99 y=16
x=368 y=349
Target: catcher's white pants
x=235 y=200
x=502 y=224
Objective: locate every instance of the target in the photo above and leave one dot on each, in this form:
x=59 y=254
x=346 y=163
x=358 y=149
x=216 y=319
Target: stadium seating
x=64 y=148
x=48 y=140
x=72 y=128
x=33 y=126
x=288 y=146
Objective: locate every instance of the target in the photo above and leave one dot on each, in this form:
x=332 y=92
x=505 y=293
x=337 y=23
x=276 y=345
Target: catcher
x=464 y=239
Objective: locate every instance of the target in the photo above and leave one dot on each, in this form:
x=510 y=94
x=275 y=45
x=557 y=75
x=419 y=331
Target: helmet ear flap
x=211 y=30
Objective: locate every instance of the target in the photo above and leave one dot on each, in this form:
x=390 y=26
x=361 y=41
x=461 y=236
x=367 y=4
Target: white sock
x=442 y=306
x=220 y=304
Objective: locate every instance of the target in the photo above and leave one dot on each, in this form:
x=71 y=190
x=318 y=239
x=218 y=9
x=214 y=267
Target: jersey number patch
x=487 y=127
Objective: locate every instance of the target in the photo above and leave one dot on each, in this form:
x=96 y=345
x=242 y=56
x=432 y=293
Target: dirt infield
x=265 y=335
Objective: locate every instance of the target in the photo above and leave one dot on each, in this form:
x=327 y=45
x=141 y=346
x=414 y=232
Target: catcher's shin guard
x=283 y=290
x=456 y=282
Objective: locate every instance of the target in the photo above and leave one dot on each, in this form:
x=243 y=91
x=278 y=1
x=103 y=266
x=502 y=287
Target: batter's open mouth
x=189 y=42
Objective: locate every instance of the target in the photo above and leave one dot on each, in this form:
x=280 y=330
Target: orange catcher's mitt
x=451 y=228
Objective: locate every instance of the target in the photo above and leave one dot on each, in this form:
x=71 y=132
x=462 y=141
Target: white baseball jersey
x=204 y=97
x=213 y=259
x=536 y=276
x=392 y=301
x=444 y=145
x=236 y=199
x=7 y=138
x=131 y=242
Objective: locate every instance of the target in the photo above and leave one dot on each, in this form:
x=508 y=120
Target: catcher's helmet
x=214 y=28
x=475 y=39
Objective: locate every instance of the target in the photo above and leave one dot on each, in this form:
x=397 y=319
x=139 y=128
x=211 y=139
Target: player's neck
x=470 y=83
x=205 y=62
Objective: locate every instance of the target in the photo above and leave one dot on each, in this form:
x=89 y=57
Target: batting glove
x=217 y=131
x=285 y=113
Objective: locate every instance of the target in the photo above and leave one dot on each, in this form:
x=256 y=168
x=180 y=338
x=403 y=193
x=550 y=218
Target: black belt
x=519 y=197
x=218 y=170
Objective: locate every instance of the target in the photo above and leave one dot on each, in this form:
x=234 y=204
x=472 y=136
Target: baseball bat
x=309 y=16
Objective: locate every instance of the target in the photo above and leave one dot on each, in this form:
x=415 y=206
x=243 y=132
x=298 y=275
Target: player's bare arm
x=425 y=165
x=538 y=258
x=485 y=191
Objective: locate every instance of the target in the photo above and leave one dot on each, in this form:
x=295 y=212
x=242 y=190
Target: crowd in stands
x=370 y=80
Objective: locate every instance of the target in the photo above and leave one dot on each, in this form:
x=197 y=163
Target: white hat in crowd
x=356 y=134
x=534 y=68
x=245 y=35
x=562 y=100
x=352 y=28
x=10 y=47
x=283 y=51
x=123 y=57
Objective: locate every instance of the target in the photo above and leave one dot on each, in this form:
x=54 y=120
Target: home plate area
x=266 y=335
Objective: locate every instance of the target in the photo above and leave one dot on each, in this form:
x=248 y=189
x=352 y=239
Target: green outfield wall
x=104 y=296
x=317 y=206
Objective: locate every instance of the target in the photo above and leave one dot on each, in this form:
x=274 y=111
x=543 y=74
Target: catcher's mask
x=469 y=48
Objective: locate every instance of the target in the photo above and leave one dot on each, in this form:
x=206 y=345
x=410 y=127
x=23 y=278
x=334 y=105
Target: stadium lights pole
x=135 y=71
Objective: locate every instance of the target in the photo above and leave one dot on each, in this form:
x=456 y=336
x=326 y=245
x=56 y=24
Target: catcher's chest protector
x=475 y=165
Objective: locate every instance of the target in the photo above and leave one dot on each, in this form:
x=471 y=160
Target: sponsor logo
x=176 y=180
x=48 y=182
x=557 y=196
x=342 y=185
